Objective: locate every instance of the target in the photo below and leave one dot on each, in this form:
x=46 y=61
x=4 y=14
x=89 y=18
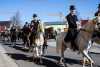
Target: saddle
x=71 y=35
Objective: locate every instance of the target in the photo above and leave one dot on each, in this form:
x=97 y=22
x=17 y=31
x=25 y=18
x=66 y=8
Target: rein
x=86 y=30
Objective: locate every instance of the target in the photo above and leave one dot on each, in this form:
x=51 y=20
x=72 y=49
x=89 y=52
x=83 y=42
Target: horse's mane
x=90 y=25
x=40 y=27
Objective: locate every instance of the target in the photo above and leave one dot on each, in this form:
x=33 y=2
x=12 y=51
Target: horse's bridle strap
x=86 y=30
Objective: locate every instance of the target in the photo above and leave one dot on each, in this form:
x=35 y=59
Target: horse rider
x=26 y=34
x=13 y=28
x=34 y=24
x=26 y=24
x=98 y=11
x=72 y=30
x=26 y=28
x=97 y=17
x=33 y=28
x=13 y=33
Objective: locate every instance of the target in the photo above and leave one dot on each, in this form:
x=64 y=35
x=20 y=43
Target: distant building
x=56 y=25
x=4 y=25
x=83 y=22
x=61 y=25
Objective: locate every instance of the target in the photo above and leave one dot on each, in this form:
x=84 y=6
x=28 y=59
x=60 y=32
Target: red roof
x=83 y=22
x=5 y=23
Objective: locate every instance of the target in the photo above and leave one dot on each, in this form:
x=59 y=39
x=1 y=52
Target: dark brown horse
x=82 y=41
x=25 y=36
x=13 y=35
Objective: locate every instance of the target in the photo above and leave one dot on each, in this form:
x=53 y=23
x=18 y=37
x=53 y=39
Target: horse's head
x=90 y=26
x=97 y=20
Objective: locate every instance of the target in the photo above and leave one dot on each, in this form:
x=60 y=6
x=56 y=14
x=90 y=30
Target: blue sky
x=8 y=8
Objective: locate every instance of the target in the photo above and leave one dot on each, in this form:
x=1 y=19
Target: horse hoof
x=86 y=62
x=41 y=62
x=92 y=62
x=61 y=64
x=57 y=62
x=37 y=61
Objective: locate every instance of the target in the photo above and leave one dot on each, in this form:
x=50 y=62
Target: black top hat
x=34 y=15
x=98 y=5
x=26 y=22
x=72 y=7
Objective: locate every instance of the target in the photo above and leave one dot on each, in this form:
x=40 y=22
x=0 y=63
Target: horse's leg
x=62 y=56
x=31 y=47
x=84 y=61
x=25 y=46
x=28 y=43
x=34 y=53
x=13 y=44
x=88 y=57
x=12 y=41
x=37 y=55
x=44 y=49
x=37 y=51
x=5 y=38
x=25 y=42
x=41 y=53
x=88 y=47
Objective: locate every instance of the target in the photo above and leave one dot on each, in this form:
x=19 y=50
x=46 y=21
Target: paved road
x=24 y=59
x=5 y=60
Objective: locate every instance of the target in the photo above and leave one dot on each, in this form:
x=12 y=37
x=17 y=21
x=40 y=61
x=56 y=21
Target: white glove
x=78 y=25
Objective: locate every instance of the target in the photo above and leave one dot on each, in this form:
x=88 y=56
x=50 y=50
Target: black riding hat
x=72 y=7
x=98 y=5
x=34 y=15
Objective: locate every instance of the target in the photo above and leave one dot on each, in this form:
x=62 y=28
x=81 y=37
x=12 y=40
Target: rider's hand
x=78 y=25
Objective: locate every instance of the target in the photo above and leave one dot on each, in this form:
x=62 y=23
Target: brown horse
x=82 y=41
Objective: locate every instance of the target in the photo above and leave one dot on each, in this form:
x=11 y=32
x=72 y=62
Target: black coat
x=72 y=20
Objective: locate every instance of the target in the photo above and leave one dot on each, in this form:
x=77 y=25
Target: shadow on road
x=17 y=47
x=67 y=60
x=20 y=48
x=6 y=43
x=46 y=62
x=49 y=63
x=20 y=57
x=94 y=53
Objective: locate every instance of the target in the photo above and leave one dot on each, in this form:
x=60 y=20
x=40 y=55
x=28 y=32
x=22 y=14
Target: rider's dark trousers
x=70 y=36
